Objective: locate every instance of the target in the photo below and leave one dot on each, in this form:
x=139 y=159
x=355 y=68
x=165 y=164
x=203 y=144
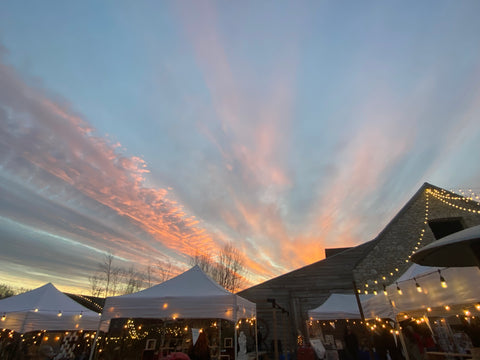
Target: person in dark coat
x=351 y=344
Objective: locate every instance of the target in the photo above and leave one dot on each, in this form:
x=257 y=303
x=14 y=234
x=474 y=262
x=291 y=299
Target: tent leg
x=219 y=338
x=284 y=322
x=256 y=336
x=92 y=350
x=275 y=342
x=235 y=327
x=402 y=339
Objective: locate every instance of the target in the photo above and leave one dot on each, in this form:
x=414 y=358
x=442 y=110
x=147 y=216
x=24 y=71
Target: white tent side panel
x=178 y=307
x=33 y=321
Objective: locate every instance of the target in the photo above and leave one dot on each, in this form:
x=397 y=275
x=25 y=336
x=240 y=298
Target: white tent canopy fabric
x=462 y=289
x=338 y=306
x=192 y=294
x=46 y=308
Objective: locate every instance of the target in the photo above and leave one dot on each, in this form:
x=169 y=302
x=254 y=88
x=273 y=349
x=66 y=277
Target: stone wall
x=387 y=260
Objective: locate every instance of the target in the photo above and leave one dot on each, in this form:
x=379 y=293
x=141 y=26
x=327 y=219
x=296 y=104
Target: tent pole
x=284 y=330
x=256 y=335
x=362 y=316
x=235 y=326
x=402 y=338
x=219 y=338
x=92 y=350
x=275 y=342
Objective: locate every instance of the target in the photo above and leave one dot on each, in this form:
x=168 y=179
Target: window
x=444 y=227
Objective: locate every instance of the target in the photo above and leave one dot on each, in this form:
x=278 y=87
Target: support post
x=362 y=316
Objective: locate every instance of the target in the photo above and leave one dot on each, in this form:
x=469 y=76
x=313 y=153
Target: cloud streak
x=55 y=155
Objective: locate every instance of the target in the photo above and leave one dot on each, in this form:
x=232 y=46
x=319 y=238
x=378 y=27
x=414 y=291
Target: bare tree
x=133 y=281
x=106 y=269
x=229 y=268
x=204 y=261
x=6 y=291
x=115 y=279
x=226 y=270
x=164 y=270
x=148 y=275
x=95 y=287
x=111 y=280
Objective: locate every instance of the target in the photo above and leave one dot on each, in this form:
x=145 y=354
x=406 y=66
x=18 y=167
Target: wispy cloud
x=51 y=151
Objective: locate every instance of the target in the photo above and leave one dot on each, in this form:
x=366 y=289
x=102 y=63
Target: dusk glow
x=159 y=130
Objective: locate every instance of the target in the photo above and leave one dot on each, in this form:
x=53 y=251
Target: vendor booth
x=45 y=320
x=441 y=303
x=45 y=308
x=332 y=324
x=191 y=295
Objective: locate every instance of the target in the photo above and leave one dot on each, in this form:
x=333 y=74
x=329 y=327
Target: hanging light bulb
x=399 y=291
x=375 y=292
x=4 y=316
x=419 y=288
x=442 y=280
x=59 y=313
x=385 y=290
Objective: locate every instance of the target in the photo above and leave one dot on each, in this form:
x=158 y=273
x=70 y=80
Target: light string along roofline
x=372 y=286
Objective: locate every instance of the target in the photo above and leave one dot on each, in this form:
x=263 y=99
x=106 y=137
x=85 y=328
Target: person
x=351 y=344
x=380 y=341
x=413 y=344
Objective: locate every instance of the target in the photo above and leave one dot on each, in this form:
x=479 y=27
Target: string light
x=385 y=290
x=399 y=291
x=418 y=243
x=419 y=288
x=445 y=197
x=442 y=280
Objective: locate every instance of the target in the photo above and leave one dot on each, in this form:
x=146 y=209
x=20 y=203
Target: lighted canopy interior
x=338 y=306
x=190 y=295
x=45 y=308
x=422 y=293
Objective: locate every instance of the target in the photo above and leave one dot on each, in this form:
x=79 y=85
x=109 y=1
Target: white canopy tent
x=45 y=308
x=462 y=291
x=189 y=295
x=338 y=306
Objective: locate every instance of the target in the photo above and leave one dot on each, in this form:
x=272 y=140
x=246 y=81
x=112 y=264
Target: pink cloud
x=51 y=138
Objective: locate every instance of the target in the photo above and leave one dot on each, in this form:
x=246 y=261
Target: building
x=283 y=302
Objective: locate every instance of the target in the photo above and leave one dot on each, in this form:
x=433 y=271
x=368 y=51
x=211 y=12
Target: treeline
x=112 y=280
x=7 y=291
x=226 y=268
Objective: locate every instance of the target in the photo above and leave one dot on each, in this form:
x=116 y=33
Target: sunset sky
x=157 y=130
